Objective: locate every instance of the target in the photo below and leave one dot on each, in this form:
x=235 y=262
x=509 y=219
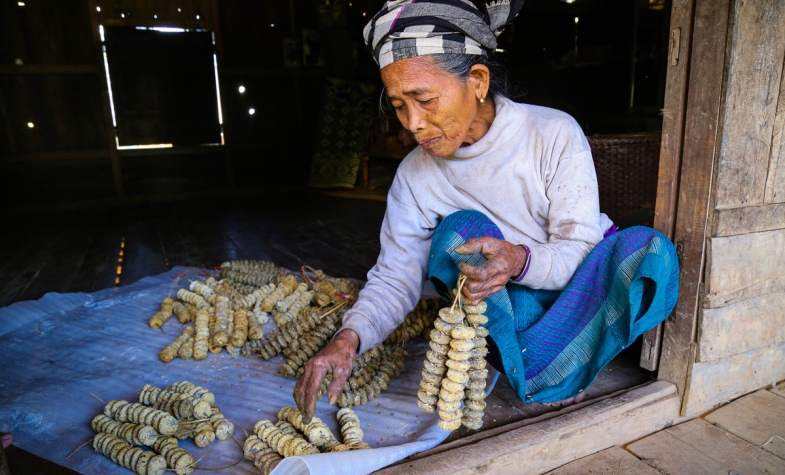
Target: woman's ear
x=480 y=80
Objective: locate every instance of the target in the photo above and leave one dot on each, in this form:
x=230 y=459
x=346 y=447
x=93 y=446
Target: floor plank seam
x=643 y=460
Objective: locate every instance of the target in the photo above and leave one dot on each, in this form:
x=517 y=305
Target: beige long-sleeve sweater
x=531 y=173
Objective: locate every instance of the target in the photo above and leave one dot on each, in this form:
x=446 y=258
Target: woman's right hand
x=337 y=357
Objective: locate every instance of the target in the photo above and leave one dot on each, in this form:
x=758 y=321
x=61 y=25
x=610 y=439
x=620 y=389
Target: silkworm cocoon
x=180 y=405
x=201 y=334
x=202 y=289
x=460 y=377
x=438 y=336
x=453 y=406
x=186 y=350
x=255 y=331
x=459 y=365
x=176 y=458
x=462 y=332
x=170 y=351
x=287 y=445
x=222 y=426
x=349 y=425
x=286 y=286
x=427 y=399
x=316 y=431
x=198 y=393
x=444 y=327
x=480 y=308
x=266 y=460
x=203 y=434
x=431 y=378
x=450 y=424
x=123 y=411
x=459 y=355
x=472 y=423
x=182 y=312
x=451 y=315
x=452 y=386
x=462 y=345
x=240 y=334
x=438 y=348
x=251 y=299
x=194 y=299
x=449 y=396
x=476 y=319
x=139 y=461
x=432 y=368
x=475 y=394
x=163 y=314
x=252 y=446
x=135 y=434
x=223 y=313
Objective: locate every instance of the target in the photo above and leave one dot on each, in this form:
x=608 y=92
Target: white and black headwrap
x=408 y=28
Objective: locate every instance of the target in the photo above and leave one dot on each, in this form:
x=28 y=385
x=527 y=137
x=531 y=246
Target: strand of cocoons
x=454 y=373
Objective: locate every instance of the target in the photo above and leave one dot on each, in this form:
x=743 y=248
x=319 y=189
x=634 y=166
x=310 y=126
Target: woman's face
x=437 y=107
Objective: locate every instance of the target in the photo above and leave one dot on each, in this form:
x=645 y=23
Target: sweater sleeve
x=573 y=223
x=395 y=282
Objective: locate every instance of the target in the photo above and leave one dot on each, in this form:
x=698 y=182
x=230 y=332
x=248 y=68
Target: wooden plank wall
x=741 y=336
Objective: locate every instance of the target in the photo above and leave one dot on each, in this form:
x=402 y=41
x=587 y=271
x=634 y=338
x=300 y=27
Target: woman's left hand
x=504 y=260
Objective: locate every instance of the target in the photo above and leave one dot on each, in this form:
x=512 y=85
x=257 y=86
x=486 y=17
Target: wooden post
x=114 y=156
x=704 y=97
x=670 y=146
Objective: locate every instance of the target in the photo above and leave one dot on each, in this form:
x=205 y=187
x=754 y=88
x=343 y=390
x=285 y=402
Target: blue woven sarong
x=553 y=344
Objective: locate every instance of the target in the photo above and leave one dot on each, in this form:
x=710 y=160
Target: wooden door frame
x=690 y=136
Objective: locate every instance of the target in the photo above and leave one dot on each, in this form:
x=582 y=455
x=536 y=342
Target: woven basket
x=627 y=168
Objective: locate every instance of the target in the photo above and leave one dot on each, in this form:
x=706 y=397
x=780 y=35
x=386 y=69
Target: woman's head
x=433 y=56
x=443 y=100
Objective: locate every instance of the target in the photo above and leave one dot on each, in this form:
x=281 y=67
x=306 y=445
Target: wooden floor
x=745 y=437
x=78 y=252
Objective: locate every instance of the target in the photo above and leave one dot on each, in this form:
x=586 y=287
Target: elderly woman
x=505 y=193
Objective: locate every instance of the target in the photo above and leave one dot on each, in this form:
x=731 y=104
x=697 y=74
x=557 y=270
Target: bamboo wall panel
x=45 y=32
x=65 y=111
x=753 y=73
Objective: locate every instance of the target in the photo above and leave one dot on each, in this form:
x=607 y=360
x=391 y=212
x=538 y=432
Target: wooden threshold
x=542 y=446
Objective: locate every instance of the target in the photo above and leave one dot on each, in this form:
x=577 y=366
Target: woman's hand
x=504 y=260
x=337 y=357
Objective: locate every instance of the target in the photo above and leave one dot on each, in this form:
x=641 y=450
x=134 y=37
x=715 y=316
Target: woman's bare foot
x=535 y=409
x=566 y=402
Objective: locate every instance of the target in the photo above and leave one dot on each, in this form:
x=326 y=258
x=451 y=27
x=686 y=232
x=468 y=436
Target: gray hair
x=460 y=65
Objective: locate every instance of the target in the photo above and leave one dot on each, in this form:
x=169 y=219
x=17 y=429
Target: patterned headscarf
x=408 y=28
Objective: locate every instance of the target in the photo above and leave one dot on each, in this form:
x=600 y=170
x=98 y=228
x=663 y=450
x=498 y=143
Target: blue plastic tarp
x=64 y=354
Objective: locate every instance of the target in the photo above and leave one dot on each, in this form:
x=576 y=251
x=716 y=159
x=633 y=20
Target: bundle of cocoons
x=271 y=441
x=143 y=436
x=229 y=314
